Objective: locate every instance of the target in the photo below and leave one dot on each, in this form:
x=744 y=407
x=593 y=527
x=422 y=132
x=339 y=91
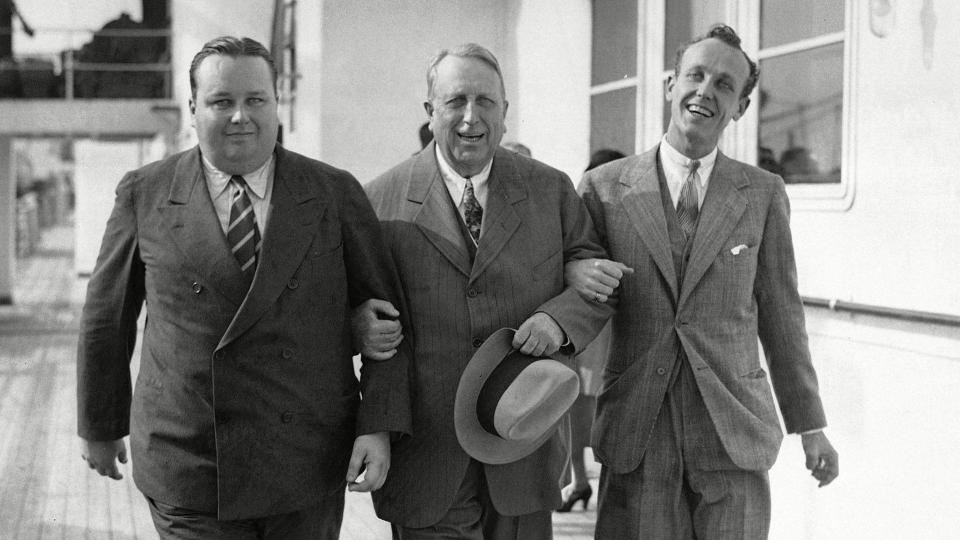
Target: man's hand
x=375 y=337
x=822 y=459
x=371 y=457
x=102 y=456
x=539 y=335
x=595 y=279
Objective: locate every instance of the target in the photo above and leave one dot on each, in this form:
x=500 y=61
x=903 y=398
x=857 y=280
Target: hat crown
x=523 y=401
x=535 y=401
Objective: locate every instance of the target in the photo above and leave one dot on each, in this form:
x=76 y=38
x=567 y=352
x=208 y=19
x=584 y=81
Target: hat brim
x=474 y=439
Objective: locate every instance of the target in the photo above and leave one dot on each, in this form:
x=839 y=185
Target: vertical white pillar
x=8 y=220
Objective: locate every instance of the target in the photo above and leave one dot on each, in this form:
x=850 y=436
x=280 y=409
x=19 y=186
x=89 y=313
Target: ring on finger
x=596 y=297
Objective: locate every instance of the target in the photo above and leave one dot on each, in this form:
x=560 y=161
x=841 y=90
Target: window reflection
x=613 y=120
x=614 y=40
x=789 y=21
x=801 y=115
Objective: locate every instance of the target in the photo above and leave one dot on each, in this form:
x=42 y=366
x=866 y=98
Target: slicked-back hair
x=233 y=47
x=729 y=36
x=466 y=50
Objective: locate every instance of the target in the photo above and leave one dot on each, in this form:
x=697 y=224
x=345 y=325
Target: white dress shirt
x=259 y=182
x=676 y=167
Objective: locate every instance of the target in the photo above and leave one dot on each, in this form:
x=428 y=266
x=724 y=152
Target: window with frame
x=801 y=90
x=613 y=92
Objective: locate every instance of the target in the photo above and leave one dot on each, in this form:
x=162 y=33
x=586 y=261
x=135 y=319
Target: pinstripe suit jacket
x=246 y=403
x=740 y=283
x=534 y=222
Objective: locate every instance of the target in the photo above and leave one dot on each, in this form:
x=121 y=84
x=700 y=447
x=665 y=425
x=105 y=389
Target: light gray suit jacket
x=532 y=224
x=740 y=283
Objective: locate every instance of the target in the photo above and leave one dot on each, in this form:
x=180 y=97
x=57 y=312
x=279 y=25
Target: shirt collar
x=256 y=180
x=669 y=154
x=452 y=175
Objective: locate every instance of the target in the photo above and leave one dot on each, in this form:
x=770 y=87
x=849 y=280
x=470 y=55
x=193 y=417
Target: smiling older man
x=479 y=236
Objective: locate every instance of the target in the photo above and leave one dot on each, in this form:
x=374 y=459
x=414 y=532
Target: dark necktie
x=471 y=211
x=242 y=232
x=687 y=209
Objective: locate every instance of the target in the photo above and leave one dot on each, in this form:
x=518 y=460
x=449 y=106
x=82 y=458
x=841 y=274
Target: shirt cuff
x=811 y=431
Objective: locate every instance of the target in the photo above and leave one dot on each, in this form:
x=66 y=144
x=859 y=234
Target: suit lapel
x=643 y=206
x=295 y=208
x=722 y=208
x=436 y=214
x=500 y=219
x=195 y=229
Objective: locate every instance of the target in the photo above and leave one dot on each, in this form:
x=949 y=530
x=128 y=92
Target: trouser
x=472 y=516
x=321 y=521
x=686 y=486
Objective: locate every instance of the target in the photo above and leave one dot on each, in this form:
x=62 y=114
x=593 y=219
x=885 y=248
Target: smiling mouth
x=470 y=138
x=699 y=110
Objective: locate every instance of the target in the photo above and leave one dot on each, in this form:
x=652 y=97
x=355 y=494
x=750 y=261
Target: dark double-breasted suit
x=246 y=403
x=533 y=222
x=739 y=283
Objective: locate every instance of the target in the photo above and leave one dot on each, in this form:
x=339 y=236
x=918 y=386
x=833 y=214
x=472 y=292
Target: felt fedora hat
x=509 y=403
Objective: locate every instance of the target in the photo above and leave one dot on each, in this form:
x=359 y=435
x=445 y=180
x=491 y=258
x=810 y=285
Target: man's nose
x=470 y=112
x=703 y=89
x=239 y=115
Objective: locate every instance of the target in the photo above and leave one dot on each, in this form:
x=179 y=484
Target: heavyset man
x=249 y=258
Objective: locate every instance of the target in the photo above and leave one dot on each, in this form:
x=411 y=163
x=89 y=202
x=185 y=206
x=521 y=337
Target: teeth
x=699 y=110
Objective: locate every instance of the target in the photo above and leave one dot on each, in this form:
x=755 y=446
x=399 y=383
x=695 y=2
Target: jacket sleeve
x=108 y=330
x=581 y=320
x=780 y=321
x=384 y=385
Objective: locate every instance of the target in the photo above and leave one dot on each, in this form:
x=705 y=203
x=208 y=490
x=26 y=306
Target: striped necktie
x=687 y=206
x=471 y=211
x=242 y=233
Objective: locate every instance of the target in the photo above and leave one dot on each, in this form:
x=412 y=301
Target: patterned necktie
x=687 y=209
x=471 y=211
x=242 y=233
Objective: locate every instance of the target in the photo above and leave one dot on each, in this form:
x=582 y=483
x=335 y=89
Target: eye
x=485 y=101
x=694 y=75
x=255 y=101
x=222 y=104
x=458 y=101
x=726 y=85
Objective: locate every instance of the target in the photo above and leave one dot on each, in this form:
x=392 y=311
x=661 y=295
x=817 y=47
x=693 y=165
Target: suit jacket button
x=472 y=293
x=293 y=283
x=286 y=417
x=219 y=355
x=661 y=371
x=477 y=342
x=286 y=353
x=196 y=287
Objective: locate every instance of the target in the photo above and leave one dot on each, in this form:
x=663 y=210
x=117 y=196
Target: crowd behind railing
x=124 y=59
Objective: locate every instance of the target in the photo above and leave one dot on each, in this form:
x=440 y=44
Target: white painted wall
x=889 y=389
x=897 y=246
x=99 y=167
x=552 y=80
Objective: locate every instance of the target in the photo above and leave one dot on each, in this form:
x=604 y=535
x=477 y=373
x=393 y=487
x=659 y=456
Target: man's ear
x=668 y=89
x=193 y=106
x=427 y=106
x=744 y=103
